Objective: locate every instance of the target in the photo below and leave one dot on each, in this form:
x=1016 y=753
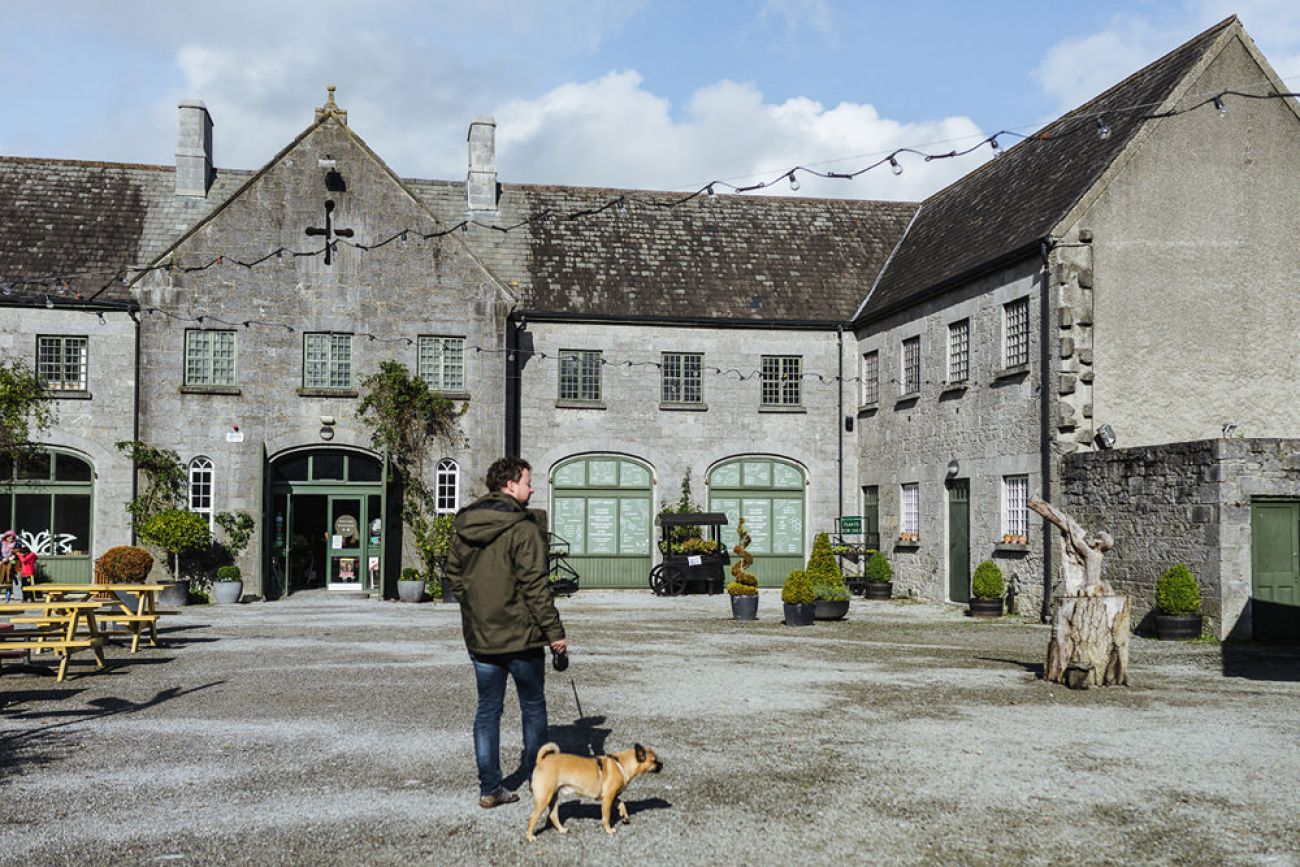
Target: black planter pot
x=744 y=607
x=985 y=608
x=1171 y=627
x=825 y=609
x=176 y=594
x=799 y=615
x=879 y=590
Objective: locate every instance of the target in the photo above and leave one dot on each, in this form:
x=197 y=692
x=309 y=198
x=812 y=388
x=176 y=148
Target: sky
x=646 y=94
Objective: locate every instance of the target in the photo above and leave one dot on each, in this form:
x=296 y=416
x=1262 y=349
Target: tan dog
x=604 y=777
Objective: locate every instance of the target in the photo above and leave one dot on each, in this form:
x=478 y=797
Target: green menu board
x=571 y=522
x=731 y=508
x=571 y=475
x=786 y=476
x=634 y=526
x=602 y=474
x=758 y=521
x=787 y=526
x=602 y=525
x=726 y=476
x=634 y=476
x=758 y=474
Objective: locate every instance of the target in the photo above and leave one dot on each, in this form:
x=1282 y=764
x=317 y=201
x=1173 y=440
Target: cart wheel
x=667 y=581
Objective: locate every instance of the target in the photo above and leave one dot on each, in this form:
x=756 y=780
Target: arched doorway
x=769 y=494
x=327 y=521
x=601 y=505
x=48 y=499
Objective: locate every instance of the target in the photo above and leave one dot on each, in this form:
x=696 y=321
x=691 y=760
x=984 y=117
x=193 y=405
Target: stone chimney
x=194 y=149
x=481 y=184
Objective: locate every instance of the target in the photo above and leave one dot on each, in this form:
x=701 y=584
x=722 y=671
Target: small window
x=1016 y=331
x=871 y=378
x=580 y=374
x=327 y=467
x=441 y=363
x=910 y=361
x=364 y=469
x=61 y=363
x=327 y=361
x=680 y=380
x=871 y=516
x=910 y=513
x=201 y=487
x=448 y=487
x=1015 y=509
x=209 y=358
x=959 y=351
x=782 y=380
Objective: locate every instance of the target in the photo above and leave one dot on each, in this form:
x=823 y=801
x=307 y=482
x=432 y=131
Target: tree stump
x=1089 y=645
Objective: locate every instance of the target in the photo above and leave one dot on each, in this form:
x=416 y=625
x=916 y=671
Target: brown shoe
x=497 y=798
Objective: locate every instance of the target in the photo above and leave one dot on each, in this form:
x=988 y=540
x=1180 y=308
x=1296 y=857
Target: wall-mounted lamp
x=325 y=162
x=848 y=424
x=953 y=469
x=327 y=420
x=1106 y=437
x=327 y=433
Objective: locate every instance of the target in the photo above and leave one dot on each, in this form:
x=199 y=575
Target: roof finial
x=330 y=107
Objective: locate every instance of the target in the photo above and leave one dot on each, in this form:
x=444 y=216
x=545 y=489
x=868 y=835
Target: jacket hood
x=481 y=522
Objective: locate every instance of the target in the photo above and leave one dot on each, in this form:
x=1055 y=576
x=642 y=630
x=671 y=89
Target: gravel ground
x=337 y=731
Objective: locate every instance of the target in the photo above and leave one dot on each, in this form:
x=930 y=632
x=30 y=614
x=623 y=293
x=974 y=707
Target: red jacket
x=27 y=564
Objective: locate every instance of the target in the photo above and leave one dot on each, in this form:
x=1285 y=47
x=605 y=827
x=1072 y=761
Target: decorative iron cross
x=329 y=232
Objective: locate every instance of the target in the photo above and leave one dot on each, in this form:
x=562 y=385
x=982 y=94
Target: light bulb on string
x=794 y=182
x=895 y=166
x=49 y=305
x=1103 y=129
x=997 y=148
x=1220 y=106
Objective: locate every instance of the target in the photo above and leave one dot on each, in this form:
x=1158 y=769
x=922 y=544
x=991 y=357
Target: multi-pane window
x=327 y=361
x=209 y=358
x=782 y=380
x=442 y=363
x=909 y=525
x=201 y=487
x=580 y=374
x=910 y=381
x=1016 y=330
x=959 y=351
x=680 y=381
x=61 y=363
x=871 y=378
x=1015 y=509
x=447 y=487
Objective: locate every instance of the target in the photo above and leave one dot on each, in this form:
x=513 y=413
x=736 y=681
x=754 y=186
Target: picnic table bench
x=53 y=625
x=114 y=609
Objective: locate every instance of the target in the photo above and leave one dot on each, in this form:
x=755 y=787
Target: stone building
x=927 y=365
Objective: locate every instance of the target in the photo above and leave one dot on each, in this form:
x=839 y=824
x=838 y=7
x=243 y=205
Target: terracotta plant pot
x=879 y=590
x=799 y=615
x=744 y=607
x=824 y=609
x=1170 y=627
x=985 y=608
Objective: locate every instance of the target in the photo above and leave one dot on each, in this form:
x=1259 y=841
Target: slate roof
x=85 y=220
x=1005 y=207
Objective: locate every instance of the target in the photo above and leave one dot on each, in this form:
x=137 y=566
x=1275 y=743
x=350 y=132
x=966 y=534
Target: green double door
x=959 y=540
x=1275 y=569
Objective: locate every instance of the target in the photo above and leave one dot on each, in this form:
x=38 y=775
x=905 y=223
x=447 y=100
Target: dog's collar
x=618 y=764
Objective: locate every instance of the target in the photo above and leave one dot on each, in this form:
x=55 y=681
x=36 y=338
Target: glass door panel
x=346 y=547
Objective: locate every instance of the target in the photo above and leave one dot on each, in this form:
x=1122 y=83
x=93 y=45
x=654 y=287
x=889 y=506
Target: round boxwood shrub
x=797 y=590
x=123 y=564
x=878 y=569
x=823 y=570
x=1177 y=593
x=987 y=582
x=411 y=574
x=229 y=573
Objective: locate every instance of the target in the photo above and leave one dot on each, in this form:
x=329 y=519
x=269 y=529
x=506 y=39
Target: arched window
x=448 y=486
x=201 y=487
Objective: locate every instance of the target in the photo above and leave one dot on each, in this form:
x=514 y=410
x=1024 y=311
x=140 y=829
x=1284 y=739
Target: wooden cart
x=690 y=573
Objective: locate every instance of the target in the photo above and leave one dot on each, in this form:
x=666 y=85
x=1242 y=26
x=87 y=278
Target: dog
x=604 y=777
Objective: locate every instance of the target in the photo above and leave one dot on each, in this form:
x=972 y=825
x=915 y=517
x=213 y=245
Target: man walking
x=497 y=569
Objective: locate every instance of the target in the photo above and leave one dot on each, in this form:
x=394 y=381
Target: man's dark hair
x=504 y=470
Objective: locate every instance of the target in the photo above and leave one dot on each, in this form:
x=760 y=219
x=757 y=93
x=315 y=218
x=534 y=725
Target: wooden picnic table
x=54 y=627
x=116 y=610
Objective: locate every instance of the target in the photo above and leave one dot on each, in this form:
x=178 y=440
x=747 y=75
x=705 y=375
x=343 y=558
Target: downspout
x=135 y=420
x=839 y=421
x=514 y=389
x=1045 y=420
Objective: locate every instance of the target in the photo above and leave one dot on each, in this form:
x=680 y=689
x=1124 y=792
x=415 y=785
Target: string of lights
x=1098 y=122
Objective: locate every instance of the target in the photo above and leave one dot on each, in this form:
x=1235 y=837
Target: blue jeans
x=528 y=669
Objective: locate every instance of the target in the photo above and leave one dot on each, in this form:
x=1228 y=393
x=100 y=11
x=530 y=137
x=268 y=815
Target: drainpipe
x=1045 y=419
x=135 y=419
x=514 y=390
x=839 y=420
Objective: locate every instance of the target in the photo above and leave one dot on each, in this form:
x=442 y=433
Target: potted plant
x=986 y=590
x=743 y=588
x=229 y=586
x=1178 y=604
x=880 y=577
x=177 y=532
x=123 y=564
x=823 y=570
x=410 y=587
x=798 y=598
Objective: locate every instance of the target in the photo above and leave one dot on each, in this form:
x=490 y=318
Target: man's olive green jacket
x=498 y=571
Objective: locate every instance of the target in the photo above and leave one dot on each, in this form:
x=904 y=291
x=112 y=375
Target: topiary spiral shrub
x=878 y=569
x=797 y=590
x=1177 y=593
x=744 y=583
x=824 y=572
x=987 y=582
x=123 y=564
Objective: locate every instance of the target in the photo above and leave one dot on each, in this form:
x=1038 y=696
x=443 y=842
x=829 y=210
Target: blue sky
x=665 y=95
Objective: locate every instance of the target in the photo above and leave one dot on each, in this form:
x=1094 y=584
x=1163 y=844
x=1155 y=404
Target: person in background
x=26 y=568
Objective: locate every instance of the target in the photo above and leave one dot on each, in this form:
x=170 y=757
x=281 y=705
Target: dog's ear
x=640 y=752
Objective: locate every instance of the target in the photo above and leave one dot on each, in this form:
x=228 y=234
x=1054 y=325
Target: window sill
x=907 y=399
x=901 y=545
x=327 y=392
x=452 y=395
x=563 y=403
x=211 y=389
x=952 y=389
x=868 y=408
x=66 y=395
x=673 y=406
x=1011 y=548
x=783 y=409
x=1012 y=372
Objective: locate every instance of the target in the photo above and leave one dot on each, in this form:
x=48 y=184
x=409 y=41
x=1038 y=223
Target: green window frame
x=48 y=498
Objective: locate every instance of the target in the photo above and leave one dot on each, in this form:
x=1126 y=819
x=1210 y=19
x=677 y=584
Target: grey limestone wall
x=989 y=425
x=92 y=423
x=671 y=441
x=430 y=287
x=1182 y=503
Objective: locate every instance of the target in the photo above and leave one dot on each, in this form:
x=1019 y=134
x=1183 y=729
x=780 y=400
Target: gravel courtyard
x=324 y=730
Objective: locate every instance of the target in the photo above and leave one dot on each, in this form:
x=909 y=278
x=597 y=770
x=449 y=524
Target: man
x=497 y=568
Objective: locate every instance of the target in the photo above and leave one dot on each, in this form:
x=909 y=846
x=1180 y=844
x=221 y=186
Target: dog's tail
x=548 y=750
